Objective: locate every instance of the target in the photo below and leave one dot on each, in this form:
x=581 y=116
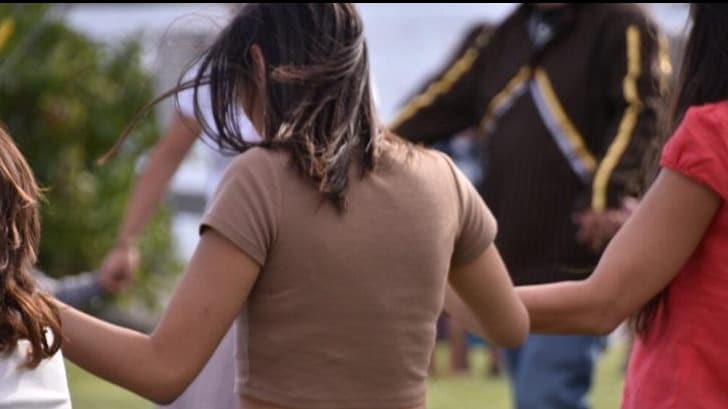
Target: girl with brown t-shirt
x=331 y=240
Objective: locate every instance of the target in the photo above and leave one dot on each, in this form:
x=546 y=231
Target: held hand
x=118 y=268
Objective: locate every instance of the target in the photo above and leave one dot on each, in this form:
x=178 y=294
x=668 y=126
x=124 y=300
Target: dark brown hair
x=316 y=98
x=703 y=79
x=25 y=312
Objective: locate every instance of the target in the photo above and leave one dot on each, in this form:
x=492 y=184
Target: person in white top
x=32 y=375
x=44 y=386
x=214 y=386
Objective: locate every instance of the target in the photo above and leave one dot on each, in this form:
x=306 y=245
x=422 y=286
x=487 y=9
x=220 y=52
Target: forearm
x=568 y=307
x=439 y=112
x=160 y=366
x=483 y=300
x=152 y=184
x=148 y=192
x=118 y=355
x=458 y=311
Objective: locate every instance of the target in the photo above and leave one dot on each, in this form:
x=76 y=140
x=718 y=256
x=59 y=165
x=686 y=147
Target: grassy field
x=474 y=391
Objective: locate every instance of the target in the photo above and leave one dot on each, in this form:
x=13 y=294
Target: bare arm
x=641 y=260
x=161 y=365
x=151 y=186
x=483 y=300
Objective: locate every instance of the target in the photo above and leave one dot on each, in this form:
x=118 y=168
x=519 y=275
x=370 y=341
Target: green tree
x=65 y=99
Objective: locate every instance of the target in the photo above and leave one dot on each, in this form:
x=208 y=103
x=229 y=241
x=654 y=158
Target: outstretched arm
x=150 y=188
x=161 y=365
x=483 y=300
x=641 y=260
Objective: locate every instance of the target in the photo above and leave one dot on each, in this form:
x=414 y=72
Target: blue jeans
x=553 y=371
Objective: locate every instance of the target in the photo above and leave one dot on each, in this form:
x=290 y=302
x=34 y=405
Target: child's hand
x=117 y=270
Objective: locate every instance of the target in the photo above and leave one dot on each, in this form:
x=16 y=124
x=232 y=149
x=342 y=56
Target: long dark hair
x=703 y=79
x=316 y=98
x=25 y=312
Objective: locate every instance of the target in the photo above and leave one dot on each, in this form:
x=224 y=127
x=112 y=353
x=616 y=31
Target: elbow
x=607 y=317
x=164 y=397
x=598 y=309
x=515 y=334
x=167 y=389
x=605 y=327
x=520 y=333
x=513 y=340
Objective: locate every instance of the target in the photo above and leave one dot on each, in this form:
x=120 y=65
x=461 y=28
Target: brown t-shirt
x=343 y=312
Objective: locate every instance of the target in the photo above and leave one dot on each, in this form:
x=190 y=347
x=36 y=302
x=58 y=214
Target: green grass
x=89 y=392
x=474 y=391
x=477 y=391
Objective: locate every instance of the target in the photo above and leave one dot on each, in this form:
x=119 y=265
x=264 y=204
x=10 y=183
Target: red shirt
x=683 y=363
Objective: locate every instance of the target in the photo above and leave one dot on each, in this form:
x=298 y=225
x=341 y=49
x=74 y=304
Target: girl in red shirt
x=669 y=263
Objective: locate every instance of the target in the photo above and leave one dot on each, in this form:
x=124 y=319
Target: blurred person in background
x=565 y=98
x=668 y=266
x=214 y=386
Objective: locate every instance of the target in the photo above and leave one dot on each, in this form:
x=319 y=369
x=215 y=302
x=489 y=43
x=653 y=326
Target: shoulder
x=479 y=34
x=396 y=151
x=440 y=171
x=259 y=160
x=616 y=16
x=616 y=10
x=699 y=146
x=256 y=172
x=708 y=120
x=715 y=113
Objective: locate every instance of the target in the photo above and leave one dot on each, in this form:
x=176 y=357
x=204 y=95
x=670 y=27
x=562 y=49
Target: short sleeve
x=245 y=207
x=476 y=225
x=699 y=147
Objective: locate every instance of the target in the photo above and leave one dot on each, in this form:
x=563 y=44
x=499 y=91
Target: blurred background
x=73 y=75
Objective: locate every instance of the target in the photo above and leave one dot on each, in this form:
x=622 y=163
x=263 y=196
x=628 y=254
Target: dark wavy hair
x=316 y=97
x=703 y=79
x=25 y=312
